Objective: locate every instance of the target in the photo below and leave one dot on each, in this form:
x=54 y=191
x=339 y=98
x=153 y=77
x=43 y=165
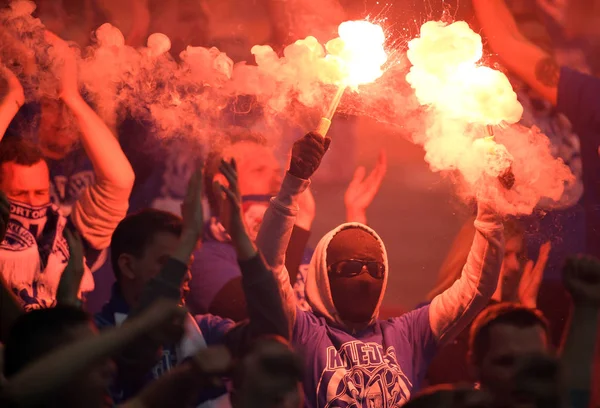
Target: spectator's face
x=259 y=172
x=507 y=345
x=511 y=271
x=26 y=184
x=57 y=133
x=139 y=271
x=89 y=389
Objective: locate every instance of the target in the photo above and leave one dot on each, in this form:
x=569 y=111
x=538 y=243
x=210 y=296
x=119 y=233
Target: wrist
x=244 y=248
x=190 y=235
x=304 y=221
x=11 y=103
x=353 y=215
x=73 y=100
x=187 y=244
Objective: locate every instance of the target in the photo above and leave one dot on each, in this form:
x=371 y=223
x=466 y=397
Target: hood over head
x=318 y=288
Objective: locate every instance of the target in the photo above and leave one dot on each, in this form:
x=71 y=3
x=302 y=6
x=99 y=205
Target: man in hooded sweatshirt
x=352 y=358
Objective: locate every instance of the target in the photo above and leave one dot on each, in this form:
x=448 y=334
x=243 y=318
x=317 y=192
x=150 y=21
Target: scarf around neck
x=34 y=254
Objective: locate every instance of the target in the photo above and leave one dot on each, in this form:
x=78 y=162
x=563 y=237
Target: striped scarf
x=34 y=254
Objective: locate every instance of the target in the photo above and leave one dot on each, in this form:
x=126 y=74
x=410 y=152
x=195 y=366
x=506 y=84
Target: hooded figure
x=347 y=276
x=353 y=358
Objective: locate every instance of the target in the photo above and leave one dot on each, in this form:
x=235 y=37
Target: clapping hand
x=362 y=190
x=531 y=279
x=65 y=66
x=191 y=208
x=70 y=280
x=232 y=221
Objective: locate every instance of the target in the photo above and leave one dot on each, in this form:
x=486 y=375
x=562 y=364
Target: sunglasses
x=355 y=267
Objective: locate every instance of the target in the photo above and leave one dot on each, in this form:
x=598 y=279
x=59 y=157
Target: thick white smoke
x=463 y=98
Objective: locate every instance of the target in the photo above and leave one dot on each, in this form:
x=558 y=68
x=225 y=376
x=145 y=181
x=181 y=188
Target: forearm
x=264 y=303
x=230 y=302
x=295 y=251
x=101 y=146
x=8 y=110
x=533 y=65
x=356 y=216
x=98 y=211
x=135 y=360
x=276 y=229
x=579 y=346
x=274 y=236
x=451 y=311
x=167 y=284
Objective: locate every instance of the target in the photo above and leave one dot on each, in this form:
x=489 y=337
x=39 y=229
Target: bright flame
x=358 y=52
x=446 y=76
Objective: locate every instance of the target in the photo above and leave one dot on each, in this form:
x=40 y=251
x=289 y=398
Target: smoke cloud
x=463 y=97
x=439 y=91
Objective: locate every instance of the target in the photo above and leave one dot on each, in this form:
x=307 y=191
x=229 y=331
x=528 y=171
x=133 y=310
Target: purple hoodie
x=382 y=364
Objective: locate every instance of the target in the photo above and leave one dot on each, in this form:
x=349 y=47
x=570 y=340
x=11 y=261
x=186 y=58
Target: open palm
x=362 y=190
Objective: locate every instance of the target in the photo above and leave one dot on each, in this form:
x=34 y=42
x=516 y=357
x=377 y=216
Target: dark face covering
x=355 y=295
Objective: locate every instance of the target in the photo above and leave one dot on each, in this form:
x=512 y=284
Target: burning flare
x=466 y=99
x=446 y=75
x=358 y=54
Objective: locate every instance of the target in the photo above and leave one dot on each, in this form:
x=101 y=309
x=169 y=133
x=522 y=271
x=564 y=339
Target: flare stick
x=325 y=122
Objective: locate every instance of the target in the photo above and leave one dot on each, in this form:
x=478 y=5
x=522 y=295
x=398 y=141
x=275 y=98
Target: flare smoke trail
x=189 y=95
x=458 y=95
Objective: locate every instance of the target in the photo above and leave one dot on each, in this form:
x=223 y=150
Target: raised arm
x=103 y=205
x=264 y=304
x=11 y=98
x=278 y=222
x=139 y=357
x=452 y=310
x=532 y=64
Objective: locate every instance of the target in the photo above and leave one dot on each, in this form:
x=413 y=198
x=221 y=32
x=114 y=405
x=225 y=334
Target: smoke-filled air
x=469 y=129
x=472 y=123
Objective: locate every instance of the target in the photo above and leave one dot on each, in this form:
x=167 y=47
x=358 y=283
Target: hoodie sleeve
x=453 y=310
x=99 y=210
x=274 y=236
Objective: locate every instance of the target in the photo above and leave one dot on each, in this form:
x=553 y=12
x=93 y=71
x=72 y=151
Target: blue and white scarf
x=34 y=254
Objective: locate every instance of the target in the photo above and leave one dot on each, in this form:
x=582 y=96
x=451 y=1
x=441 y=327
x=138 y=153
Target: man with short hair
x=151 y=252
x=500 y=336
x=141 y=246
x=34 y=252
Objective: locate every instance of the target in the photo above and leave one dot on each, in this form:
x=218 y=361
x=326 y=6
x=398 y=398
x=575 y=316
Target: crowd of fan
x=216 y=302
